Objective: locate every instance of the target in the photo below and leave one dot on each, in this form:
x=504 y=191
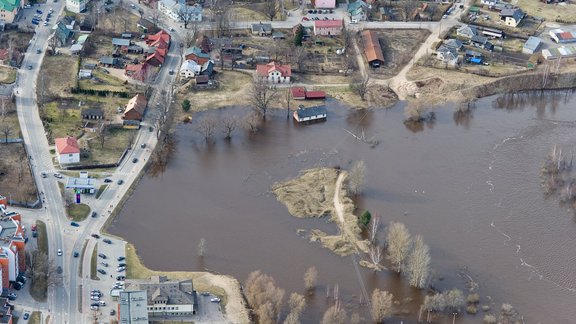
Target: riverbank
x=320 y=192
x=225 y=287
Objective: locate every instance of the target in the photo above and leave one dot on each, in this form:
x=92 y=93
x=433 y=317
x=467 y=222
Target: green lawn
x=7 y=74
x=35 y=318
x=116 y=142
x=78 y=212
x=62 y=119
x=103 y=81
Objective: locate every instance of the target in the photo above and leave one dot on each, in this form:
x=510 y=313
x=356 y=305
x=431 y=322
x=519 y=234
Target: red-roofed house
x=161 y=35
x=274 y=72
x=315 y=95
x=137 y=71
x=328 y=27
x=325 y=4
x=68 y=150
x=155 y=59
x=135 y=108
x=298 y=93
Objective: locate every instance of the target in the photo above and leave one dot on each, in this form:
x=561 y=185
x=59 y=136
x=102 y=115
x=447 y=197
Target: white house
x=76 y=6
x=512 y=17
x=274 y=72
x=448 y=55
x=164 y=297
x=190 y=69
x=67 y=150
x=177 y=10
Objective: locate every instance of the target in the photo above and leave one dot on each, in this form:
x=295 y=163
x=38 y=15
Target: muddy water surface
x=469 y=184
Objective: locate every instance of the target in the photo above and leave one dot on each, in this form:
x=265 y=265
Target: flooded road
x=469 y=184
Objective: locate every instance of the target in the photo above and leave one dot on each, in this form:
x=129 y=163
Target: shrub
x=186 y=105
x=365 y=218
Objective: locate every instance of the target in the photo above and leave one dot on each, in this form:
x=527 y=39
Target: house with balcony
x=274 y=72
x=9 y=9
x=12 y=245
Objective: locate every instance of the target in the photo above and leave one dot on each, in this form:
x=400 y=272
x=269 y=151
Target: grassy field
x=103 y=81
x=63 y=119
x=101 y=190
x=247 y=14
x=16 y=179
x=42 y=239
x=94 y=263
x=82 y=258
x=116 y=142
x=35 y=318
x=7 y=74
x=78 y=212
x=58 y=75
x=550 y=12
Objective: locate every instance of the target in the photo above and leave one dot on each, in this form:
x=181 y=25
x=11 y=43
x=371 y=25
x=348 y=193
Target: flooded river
x=469 y=184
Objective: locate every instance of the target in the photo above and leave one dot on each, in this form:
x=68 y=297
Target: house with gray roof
x=448 y=55
x=512 y=17
x=454 y=43
x=171 y=298
x=261 y=29
x=532 y=45
x=120 y=42
x=466 y=31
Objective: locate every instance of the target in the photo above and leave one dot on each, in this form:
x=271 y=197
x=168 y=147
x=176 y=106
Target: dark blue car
x=35 y=22
x=74 y=224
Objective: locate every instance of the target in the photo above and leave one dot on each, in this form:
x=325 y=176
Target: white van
x=353 y=21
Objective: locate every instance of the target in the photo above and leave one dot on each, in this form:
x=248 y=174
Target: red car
x=305 y=18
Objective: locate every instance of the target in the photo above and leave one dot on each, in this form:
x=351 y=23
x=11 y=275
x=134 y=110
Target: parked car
x=30 y=65
x=17 y=286
x=94 y=304
x=12 y=296
x=120 y=277
x=34 y=234
x=121 y=258
x=134 y=160
x=120 y=181
x=94 y=307
x=43 y=174
x=107 y=180
x=94 y=214
x=58 y=175
x=35 y=22
x=26 y=316
x=96 y=236
x=74 y=224
x=107 y=241
x=59 y=252
x=121 y=264
x=105 y=71
x=120 y=269
x=102 y=271
x=27 y=6
x=143 y=145
x=305 y=18
x=215 y=300
x=76 y=254
x=104 y=264
x=133 y=6
x=102 y=303
x=205 y=293
x=102 y=255
x=59 y=270
x=112 y=312
x=38 y=11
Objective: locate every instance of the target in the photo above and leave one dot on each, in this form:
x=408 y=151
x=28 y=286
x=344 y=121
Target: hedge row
x=101 y=93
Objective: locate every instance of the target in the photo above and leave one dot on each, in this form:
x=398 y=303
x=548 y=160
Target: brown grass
x=10 y=163
x=249 y=14
x=398 y=47
x=7 y=74
x=226 y=287
x=549 y=12
x=60 y=73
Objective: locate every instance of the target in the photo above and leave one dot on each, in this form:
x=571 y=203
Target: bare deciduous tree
x=186 y=15
x=299 y=57
x=375 y=253
x=102 y=133
x=6 y=129
x=381 y=305
x=356 y=177
x=207 y=126
x=223 y=15
x=252 y=122
x=348 y=64
x=229 y=124
x=189 y=39
x=355 y=319
x=347 y=38
x=418 y=263
x=202 y=247
x=374 y=228
x=335 y=315
x=270 y=8
x=263 y=295
x=398 y=240
x=360 y=84
x=262 y=95
x=53 y=43
x=297 y=304
x=310 y=278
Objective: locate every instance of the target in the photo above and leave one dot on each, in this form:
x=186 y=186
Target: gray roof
x=473 y=53
x=108 y=60
x=196 y=51
x=93 y=112
x=517 y=14
x=120 y=42
x=6 y=90
x=533 y=43
x=454 y=43
x=311 y=111
x=177 y=292
x=262 y=27
x=479 y=39
x=80 y=183
x=466 y=30
x=278 y=34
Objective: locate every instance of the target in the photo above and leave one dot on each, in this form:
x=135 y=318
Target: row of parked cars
x=121 y=265
x=38 y=17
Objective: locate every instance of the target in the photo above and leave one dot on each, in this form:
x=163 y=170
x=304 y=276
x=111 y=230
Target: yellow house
x=9 y=9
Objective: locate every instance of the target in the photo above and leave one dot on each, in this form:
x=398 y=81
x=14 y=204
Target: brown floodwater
x=468 y=183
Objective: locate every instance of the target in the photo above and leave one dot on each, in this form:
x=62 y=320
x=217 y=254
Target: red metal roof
x=327 y=23
x=565 y=35
x=264 y=69
x=67 y=145
x=315 y=94
x=298 y=92
x=372 y=46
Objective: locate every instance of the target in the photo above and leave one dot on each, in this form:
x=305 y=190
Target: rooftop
x=80 y=183
x=67 y=145
x=159 y=287
x=328 y=23
x=372 y=46
x=311 y=111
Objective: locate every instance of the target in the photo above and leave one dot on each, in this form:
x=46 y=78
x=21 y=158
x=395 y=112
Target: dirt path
x=338 y=208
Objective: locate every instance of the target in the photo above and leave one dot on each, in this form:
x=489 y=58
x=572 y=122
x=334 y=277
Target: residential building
x=207 y=68
x=195 y=54
x=135 y=108
x=561 y=36
x=466 y=31
x=454 y=43
x=6 y=91
x=357 y=10
x=448 y=55
x=76 y=6
x=310 y=114
x=132 y=307
x=511 y=17
x=298 y=93
x=261 y=29
x=189 y=69
x=12 y=245
x=155 y=59
x=278 y=35
x=532 y=45
x=325 y=4
x=328 y=27
x=372 y=48
x=109 y=61
x=119 y=42
x=92 y=113
x=274 y=72
x=67 y=150
x=179 y=11
x=154 y=39
x=139 y=72
x=63 y=30
x=559 y=52
x=9 y=9
x=166 y=298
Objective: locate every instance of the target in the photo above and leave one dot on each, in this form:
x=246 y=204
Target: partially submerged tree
x=381 y=305
x=207 y=126
x=297 y=303
x=398 y=240
x=418 y=263
x=310 y=278
x=228 y=125
x=202 y=247
x=262 y=95
x=356 y=177
x=335 y=315
x=264 y=297
x=251 y=122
